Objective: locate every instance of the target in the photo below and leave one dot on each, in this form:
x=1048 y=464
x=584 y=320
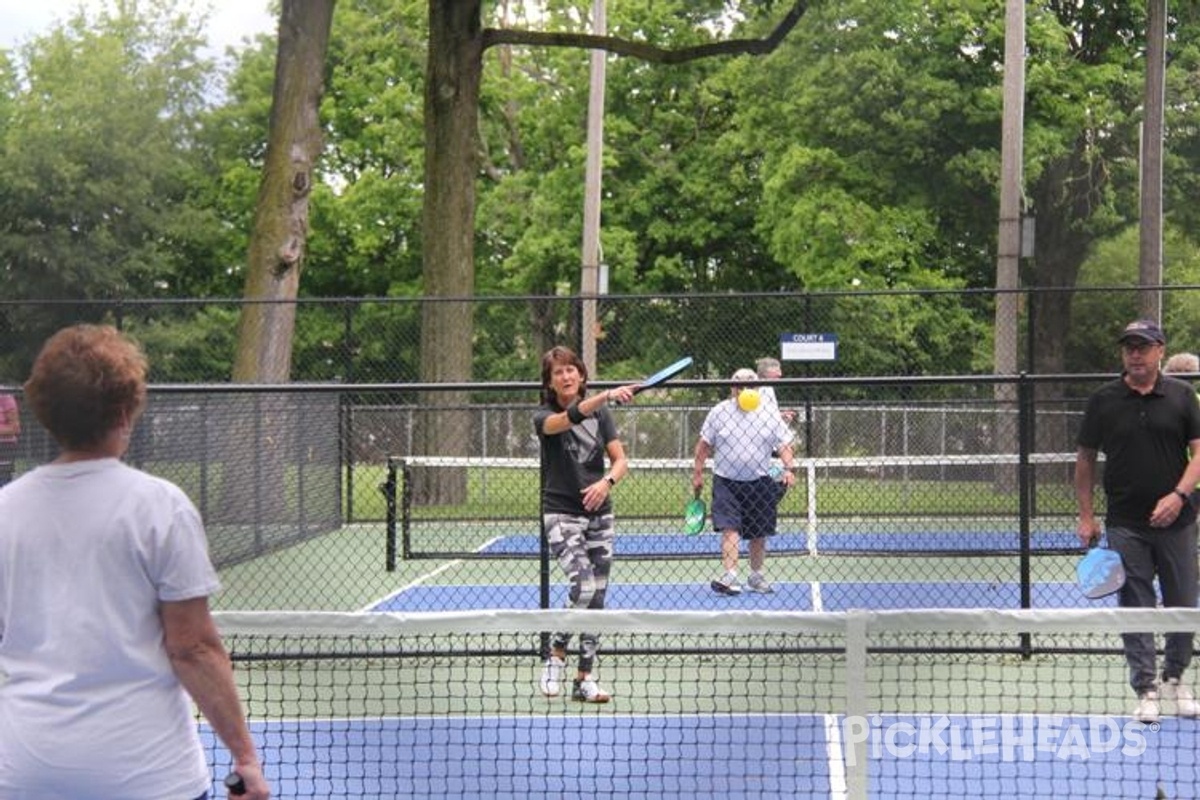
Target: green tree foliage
x=853 y=133
x=677 y=206
x=1100 y=311
x=877 y=128
x=862 y=122
x=95 y=130
x=366 y=231
x=861 y=155
x=92 y=152
x=228 y=152
x=186 y=347
x=1182 y=151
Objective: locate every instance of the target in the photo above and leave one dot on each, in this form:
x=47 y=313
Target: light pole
x=1150 y=230
x=589 y=282
x=1011 y=170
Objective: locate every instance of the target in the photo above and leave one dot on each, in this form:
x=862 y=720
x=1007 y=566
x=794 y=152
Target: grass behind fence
x=506 y=493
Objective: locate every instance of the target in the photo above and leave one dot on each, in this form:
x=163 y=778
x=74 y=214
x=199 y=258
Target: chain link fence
x=911 y=492
x=378 y=340
x=950 y=486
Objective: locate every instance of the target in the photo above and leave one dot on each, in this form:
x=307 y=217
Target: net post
x=543 y=552
x=810 y=478
x=389 y=498
x=856 y=752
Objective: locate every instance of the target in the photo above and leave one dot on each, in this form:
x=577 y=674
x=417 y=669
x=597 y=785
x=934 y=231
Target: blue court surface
x=676 y=544
x=797 y=596
x=924 y=541
x=725 y=756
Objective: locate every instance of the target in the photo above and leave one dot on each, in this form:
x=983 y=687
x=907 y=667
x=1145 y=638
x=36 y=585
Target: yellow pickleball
x=747 y=399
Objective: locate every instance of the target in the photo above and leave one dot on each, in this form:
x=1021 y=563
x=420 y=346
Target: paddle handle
x=235 y=784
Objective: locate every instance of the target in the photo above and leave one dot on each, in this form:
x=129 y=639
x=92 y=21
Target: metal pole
x=590 y=276
x=1011 y=149
x=1008 y=254
x=1150 y=255
x=1025 y=444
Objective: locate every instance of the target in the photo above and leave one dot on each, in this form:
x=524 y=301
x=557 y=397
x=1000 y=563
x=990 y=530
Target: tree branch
x=648 y=52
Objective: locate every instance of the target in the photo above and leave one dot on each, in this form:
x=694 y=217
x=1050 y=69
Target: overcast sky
x=229 y=22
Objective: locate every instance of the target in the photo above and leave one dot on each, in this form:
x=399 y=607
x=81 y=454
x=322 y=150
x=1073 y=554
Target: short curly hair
x=86 y=381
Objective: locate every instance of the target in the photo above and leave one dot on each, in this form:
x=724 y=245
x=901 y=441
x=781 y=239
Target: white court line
x=817 y=603
x=536 y=718
x=423 y=578
x=838 y=790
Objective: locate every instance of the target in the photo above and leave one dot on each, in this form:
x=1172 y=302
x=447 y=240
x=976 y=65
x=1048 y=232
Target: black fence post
x=389 y=501
x=346 y=417
x=1024 y=485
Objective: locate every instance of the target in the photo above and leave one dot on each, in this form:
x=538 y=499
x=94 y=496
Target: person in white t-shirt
x=105 y=628
x=740 y=434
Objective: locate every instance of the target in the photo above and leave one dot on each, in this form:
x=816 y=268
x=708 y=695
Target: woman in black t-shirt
x=577 y=433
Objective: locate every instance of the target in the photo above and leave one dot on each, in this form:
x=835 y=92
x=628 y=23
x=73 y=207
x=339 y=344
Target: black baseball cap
x=1145 y=330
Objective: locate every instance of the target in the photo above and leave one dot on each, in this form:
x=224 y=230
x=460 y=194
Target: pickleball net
x=963 y=505
x=921 y=703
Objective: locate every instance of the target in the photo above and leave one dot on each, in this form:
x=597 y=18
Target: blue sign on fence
x=808 y=346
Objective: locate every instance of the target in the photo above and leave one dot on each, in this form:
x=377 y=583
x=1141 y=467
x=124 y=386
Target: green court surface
x=346 y=571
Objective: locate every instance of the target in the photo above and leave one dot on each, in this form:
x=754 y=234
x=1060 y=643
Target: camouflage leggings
x=583 y=546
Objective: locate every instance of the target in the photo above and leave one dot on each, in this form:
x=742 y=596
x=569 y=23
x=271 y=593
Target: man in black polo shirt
x=1146 y=424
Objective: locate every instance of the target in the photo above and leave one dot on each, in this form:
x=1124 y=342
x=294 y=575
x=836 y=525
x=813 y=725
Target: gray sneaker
x=758 y=583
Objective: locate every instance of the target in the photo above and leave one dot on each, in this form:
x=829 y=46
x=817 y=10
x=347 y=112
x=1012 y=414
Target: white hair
x=1182 y=362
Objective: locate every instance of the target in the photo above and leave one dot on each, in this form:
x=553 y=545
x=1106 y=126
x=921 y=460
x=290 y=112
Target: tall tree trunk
x=452 y=78
x=1066 y=196
x=255 y=473
x=277 y=243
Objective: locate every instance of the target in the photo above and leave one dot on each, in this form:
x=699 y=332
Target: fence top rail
x=806 y=463
x=693 y=383
x=357 y=300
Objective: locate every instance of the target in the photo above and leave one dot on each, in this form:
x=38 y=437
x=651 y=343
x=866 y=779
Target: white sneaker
x=1181 y=695
x=758 y=583
x=551 y=676
x=727 y=585
x=1147 y=707
x=588 y=691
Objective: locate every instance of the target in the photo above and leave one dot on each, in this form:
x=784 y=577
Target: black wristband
x=574 y=414
x=1182 y=496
